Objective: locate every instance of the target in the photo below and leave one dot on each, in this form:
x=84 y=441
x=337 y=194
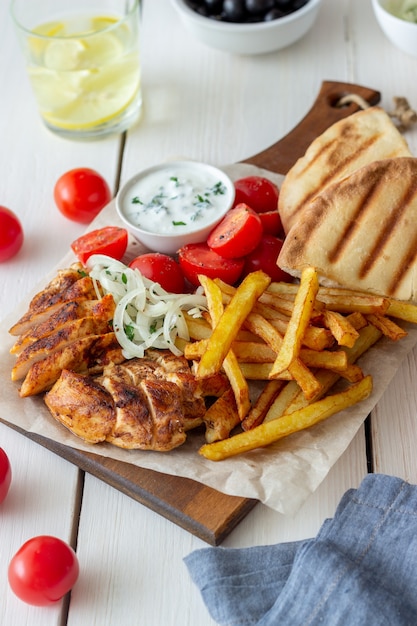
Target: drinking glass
x=83 y=63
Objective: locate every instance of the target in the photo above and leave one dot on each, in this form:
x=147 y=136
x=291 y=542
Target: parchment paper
x=281 y=476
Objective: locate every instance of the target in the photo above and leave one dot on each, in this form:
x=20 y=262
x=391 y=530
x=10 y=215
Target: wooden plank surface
x=203 y=511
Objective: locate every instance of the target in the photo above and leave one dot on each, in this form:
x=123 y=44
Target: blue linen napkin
x=360 y=569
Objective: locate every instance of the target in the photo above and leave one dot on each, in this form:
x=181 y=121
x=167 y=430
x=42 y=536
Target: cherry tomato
x=237 y=234
x=161 y=269
x=271 y=223
x=80 y=194
x=5 y=475
x=198 y=258
x=264 y=257
x=11 y=234
x=110 y=240
x=43 y=570
x=258 y=192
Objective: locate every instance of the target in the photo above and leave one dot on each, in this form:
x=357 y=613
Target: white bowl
x=400 y=32
x=166 y=219
x=253 y=38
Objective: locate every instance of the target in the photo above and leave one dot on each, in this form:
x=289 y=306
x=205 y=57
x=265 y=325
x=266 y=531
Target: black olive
x=234 y=10
x=298 y=4
x=214 y=6
x=245 y=10
x=259 y=6
x=274 y=14
x=284 y=5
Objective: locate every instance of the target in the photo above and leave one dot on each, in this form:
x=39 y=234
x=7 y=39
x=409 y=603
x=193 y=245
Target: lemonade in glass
x=83 y=63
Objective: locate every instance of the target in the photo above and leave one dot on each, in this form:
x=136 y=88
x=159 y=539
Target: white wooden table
x=210 y=106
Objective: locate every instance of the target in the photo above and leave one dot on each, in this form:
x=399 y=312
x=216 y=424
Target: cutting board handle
x=326 y=110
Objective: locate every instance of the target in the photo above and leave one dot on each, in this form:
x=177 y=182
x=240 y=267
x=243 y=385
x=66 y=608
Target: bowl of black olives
x=248 y=26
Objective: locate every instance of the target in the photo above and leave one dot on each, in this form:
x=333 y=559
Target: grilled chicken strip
x=82 y=405
x=83 y=288
x=57 y=341
x=89 y=354
x=68 y=312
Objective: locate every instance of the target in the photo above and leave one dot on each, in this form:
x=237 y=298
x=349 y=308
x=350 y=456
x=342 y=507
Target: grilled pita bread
x=361 y=232
x=346 y=146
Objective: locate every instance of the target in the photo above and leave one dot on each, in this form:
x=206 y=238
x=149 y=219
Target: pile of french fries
x=300 y=339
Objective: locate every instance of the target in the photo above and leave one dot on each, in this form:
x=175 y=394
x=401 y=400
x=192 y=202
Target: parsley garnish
x=130 y=332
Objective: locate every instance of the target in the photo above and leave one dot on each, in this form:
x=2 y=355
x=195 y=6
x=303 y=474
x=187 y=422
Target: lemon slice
x=101 y=22
x=37 y=45
x=86 y=77
x=64 y=55
x=101 y=96
x=50 y=29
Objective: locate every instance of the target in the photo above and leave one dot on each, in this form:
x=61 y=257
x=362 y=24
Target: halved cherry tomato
x=237 y=234
x=5 y=475
x=43 y=570
x=198 y=258
x=161 y=269
x=264 y=257
x=110 y=240
x=271 y=223
x=258 y=192
x=80 y=194
x=11 y=234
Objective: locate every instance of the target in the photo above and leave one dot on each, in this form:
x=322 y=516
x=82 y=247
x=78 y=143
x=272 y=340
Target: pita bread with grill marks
x=361 y=232
x=346 y=146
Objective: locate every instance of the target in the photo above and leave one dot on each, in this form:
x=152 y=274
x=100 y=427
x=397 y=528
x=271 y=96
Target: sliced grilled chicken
x=68 y=312
x=165 y=408
x=89 y=354
x=83 y=288
x=82 y=405
x=146 y=416
x=151 y=408
x=57 y=341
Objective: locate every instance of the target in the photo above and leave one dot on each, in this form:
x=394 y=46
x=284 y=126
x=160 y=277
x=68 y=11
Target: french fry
x=297 y=369
x=368 y=336
x=257 y=413
x=340 y=299
x=341 y=328
x=224 y=333
x=284 y=400
x=245 y=351
x=387 y=327
x=231 y=367
x=257 y=371
x=315 y=337
x=402 y=310
x=353 y=373
x=357 y=320
x=221 y=417
x=286 y=305
x=270 y=432
x=303 y=306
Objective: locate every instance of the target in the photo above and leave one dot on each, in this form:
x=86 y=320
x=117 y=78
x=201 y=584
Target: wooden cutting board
x=201 y=510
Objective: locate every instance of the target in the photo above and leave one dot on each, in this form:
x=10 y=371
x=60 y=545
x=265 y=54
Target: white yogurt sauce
x=171 y=201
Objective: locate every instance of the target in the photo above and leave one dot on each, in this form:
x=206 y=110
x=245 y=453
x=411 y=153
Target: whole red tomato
x=11 y=234
x=80 y=194
x=43 y=570
x=5 y=475
x=264 y=257
x=162 y=269
x=258 y=192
